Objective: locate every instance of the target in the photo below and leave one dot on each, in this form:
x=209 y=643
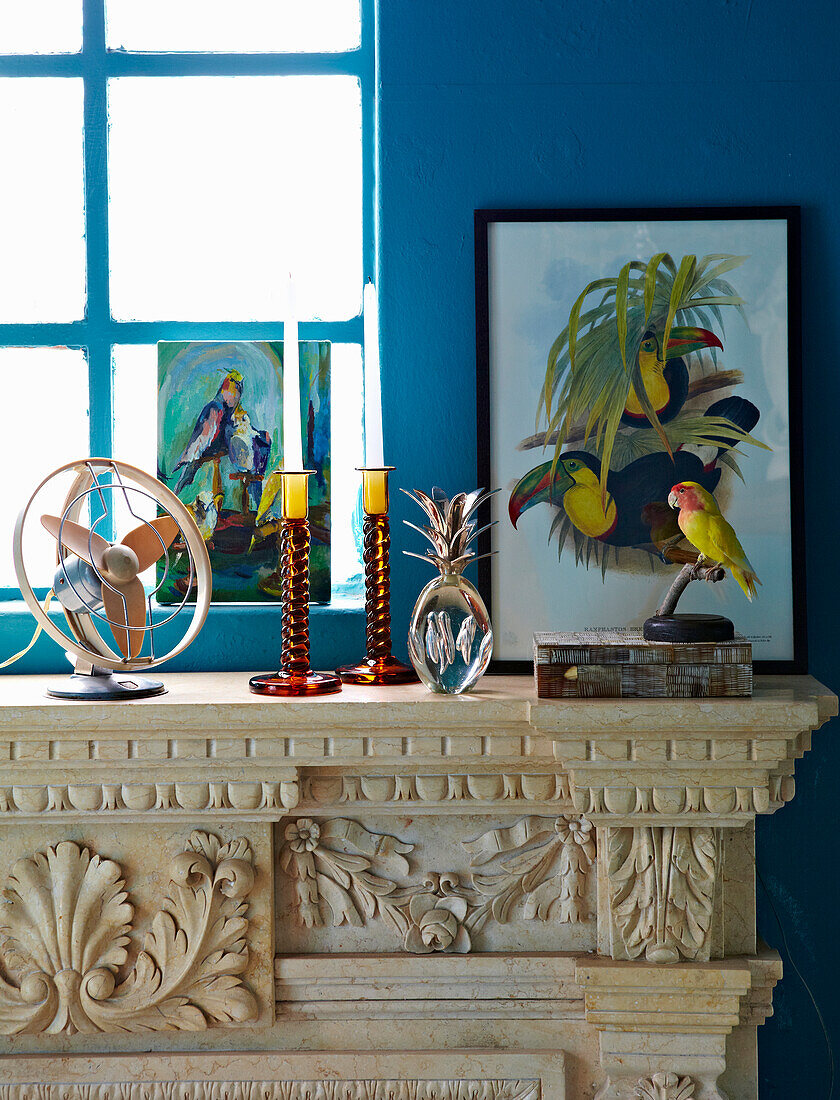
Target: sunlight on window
x=42 y=276
x=135 y=441
x=41 y=26
x=53 y=431
x=220 y=186
x=347 y=455
x=248 y=26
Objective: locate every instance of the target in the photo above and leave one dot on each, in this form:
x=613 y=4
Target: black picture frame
x=791 y=215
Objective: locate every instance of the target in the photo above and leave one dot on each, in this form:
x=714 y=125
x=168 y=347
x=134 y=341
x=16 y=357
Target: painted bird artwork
x=633 y=402
x=702 y=523
x=210 y=436
x=220 y=445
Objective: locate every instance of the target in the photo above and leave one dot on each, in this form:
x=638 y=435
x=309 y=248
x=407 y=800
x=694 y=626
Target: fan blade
x=130 y=642
x=79 y=541
x=146 y=544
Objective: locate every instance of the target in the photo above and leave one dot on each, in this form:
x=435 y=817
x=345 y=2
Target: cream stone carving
x=279 y=1090
x=65 y=930
x=149 y=797
x=548 y=859
x=353 y=871
x=665 y=1086
x=384 y=789
x=668 y=802
x=662 y=885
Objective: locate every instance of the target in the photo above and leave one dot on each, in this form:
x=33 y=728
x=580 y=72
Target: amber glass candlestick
x=379 y=665
x=295 y=677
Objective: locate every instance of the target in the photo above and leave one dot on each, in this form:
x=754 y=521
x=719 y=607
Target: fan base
x=379 y=671
x=105 y=687
x=290 y=684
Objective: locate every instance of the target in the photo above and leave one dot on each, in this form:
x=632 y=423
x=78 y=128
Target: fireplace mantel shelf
x=375 y=888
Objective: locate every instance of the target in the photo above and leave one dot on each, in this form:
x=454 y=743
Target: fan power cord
x=828 y=1044
x=35 y=636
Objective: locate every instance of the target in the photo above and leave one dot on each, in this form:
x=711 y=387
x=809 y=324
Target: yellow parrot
x=705 y=528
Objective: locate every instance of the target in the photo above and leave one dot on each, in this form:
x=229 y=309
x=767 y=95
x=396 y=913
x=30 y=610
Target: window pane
x=135 y=441
x=42 y=276
x=134 y=437
x=220 y=186
x=60 y=377
x=41 y=26
x=247 y=26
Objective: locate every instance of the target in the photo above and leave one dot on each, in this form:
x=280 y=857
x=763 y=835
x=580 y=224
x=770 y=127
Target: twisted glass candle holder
x=379 y=665
x=294 y=677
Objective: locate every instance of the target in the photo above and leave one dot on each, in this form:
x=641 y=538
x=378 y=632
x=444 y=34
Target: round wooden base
x=382 y=670
x=688 y=628
x=289 y=686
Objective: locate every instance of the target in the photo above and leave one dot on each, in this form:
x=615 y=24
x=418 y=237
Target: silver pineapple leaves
x=452 y=527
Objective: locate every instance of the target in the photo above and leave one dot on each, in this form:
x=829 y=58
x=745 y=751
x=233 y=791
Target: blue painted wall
x=488 y=103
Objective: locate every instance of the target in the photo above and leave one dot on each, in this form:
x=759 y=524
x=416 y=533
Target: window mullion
x=96 y=227
x=119 y=63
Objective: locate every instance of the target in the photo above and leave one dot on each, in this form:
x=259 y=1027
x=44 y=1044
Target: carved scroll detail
x=665 y=1086
x=65 y=932
x=662 y=885
x=541 y=862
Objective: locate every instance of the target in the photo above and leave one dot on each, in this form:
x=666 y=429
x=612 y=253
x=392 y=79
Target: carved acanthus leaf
x=665 y=1086
x=662 y=885
x=341 y=867
x=66 y=927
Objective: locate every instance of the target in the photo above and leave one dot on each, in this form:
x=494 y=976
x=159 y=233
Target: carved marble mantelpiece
x=360 y=895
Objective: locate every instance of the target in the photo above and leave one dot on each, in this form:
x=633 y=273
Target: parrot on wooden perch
x=706 y=529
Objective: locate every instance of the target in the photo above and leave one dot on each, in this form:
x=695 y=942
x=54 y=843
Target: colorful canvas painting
x=622 y=354
x=220 y=448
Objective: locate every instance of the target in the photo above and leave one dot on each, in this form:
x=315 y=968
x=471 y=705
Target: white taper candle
x=374 y=451
x=292 y=446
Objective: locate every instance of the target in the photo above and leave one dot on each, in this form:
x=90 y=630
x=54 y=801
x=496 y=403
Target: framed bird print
x=623 y=354
x=220 y=449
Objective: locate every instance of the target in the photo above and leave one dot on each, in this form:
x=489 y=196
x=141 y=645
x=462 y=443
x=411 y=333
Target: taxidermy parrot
x=210 y=437
x=705 y=528
x=665 y=376
x=634 y=512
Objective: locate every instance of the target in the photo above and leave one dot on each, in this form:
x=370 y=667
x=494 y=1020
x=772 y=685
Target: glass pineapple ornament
x=450 y=638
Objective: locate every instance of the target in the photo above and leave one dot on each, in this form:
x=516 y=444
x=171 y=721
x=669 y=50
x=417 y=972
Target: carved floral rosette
x=340 y=867
x=65 y=930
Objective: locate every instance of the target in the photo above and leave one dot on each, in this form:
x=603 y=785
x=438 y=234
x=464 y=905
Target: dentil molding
x=65 y=929
x=209 y=748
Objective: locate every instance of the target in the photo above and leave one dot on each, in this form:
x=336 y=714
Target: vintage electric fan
x=109 y=611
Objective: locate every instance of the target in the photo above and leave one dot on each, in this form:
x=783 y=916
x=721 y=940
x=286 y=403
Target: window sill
x=235 y=637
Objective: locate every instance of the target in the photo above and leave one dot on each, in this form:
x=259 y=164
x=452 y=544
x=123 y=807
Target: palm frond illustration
x=621 y=359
